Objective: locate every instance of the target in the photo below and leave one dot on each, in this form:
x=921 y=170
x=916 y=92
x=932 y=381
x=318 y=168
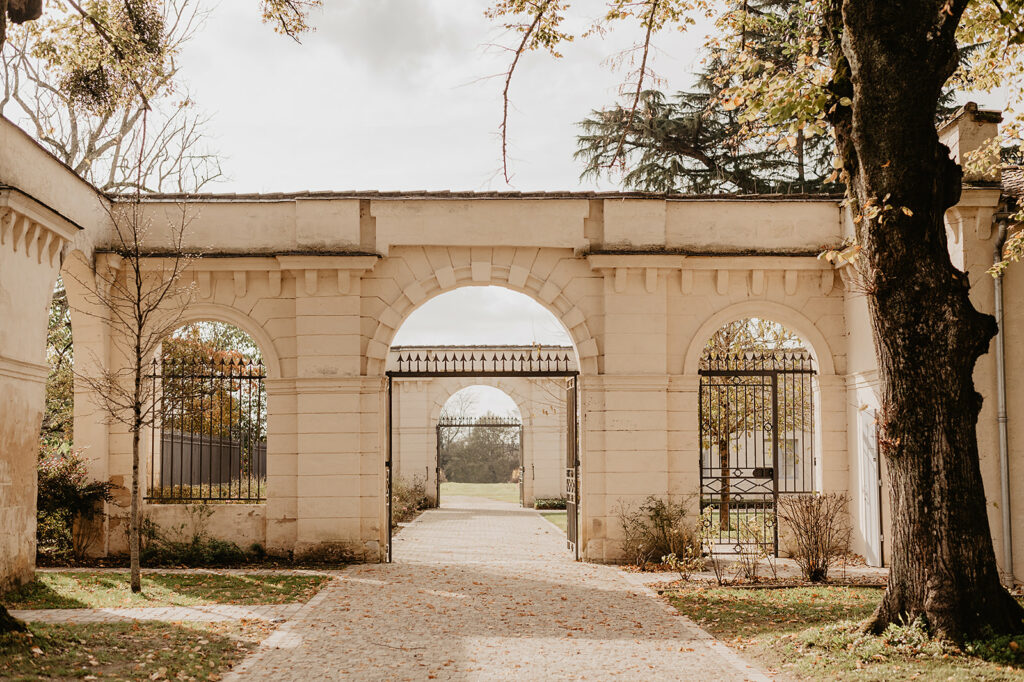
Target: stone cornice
x=616 y=267
x=33 y=229
x=305 y=268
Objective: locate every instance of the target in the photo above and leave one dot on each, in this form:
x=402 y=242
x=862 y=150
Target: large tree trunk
x=9 y=623
x=894 y=60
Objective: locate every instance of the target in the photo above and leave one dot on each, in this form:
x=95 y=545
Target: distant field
x=504 y=492
x=556 y=517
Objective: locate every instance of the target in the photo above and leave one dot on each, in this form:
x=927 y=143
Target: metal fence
x=210 y=438
x=757 y=441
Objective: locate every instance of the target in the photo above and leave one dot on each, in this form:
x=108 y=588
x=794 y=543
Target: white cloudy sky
x=480 y=316
x=483 y=315
x=399 y=94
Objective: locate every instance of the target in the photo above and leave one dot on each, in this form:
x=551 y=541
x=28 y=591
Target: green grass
x=128 y=651
x=812 y=633
x=556 y=517
x=503 y=492
x=98 y=589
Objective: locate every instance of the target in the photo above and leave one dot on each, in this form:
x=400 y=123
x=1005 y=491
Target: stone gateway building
x=322 y=281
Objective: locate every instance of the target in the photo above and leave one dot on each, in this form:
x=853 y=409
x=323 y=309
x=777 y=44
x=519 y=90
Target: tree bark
x=9 y=623
x=133 y=524
x=892 y=60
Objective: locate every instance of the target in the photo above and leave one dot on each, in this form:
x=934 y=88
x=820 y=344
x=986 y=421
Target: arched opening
x=58 y=416
x=757 y=413
x=209 y=440
x=480 y=446
x=479 y=382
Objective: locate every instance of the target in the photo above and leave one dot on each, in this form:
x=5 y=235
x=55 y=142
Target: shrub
x=408 y=499
x=655 y=529
x=755 y=533
x=68 y=503
x=549 y=503
x=821 y=530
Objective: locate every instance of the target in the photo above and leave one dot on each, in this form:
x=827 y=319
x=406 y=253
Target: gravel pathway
x=484 y=590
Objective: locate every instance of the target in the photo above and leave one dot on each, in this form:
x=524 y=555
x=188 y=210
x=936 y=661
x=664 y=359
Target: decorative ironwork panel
x=572 y=468
x=209 y=439
x=482 y=363
x=756 y=414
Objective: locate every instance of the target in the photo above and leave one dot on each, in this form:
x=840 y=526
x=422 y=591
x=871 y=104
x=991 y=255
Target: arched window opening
x=210 y=438
x=58 y=415
x=756 y=414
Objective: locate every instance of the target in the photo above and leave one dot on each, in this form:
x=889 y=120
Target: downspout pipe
x=1002 y=221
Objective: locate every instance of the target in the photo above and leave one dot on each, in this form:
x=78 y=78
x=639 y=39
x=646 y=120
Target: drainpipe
x=1002 y=223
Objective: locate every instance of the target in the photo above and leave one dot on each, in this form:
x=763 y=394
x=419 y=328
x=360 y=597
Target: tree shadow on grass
x=128 y=650
x=39 y=595
x=111 y=590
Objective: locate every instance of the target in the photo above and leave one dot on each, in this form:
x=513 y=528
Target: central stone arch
x=410 y=276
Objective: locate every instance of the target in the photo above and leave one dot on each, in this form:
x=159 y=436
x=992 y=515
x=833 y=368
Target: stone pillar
x=91 y=335
x=339 y=413
x=32 y=241
x=627 y=407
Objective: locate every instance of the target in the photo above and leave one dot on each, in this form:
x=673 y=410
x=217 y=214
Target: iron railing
x=210 y=437
x=445 y=437
x=423 y=363
x=756 y=414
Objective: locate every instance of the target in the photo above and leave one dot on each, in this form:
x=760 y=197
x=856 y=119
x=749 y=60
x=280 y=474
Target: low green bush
x=549 y=503
x=68 y=503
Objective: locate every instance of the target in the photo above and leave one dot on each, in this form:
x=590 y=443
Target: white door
x=870 y=504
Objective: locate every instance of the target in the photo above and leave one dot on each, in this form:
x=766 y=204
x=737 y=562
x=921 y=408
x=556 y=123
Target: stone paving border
x=205 y=613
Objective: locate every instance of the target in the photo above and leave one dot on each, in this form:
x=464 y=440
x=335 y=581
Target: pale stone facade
x=323 y=281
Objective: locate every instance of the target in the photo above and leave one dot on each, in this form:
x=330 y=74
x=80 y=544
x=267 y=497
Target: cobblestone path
x=483 y=590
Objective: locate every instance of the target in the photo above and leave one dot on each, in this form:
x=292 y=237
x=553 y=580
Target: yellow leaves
x=288 y=17
x=733 y=103
x=838 y=257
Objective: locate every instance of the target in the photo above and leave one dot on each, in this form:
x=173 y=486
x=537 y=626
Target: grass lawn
x=556 y=517
x=504 y=492
x=98 y=589
x=128 y=651
x=811 y=633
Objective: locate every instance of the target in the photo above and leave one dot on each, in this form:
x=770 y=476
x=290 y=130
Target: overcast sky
x=481 y=316
x=399 y=94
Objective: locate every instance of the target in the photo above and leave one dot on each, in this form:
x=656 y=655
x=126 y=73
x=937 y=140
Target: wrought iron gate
x=756 y=418
x=418 y=364
x=572 y=468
